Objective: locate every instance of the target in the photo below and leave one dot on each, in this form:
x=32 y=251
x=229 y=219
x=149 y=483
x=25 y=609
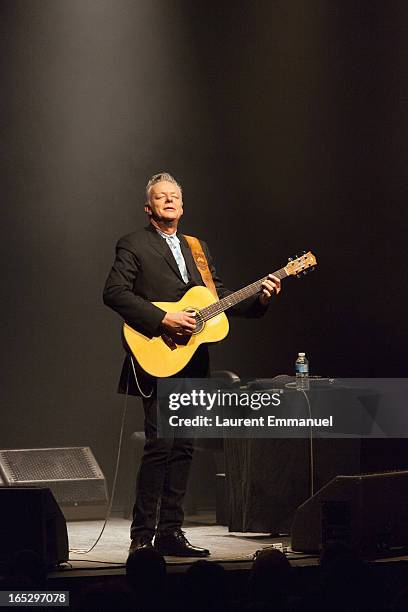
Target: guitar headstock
x=301 y=265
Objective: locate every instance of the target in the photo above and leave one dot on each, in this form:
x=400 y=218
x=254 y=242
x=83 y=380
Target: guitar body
x=167 y=355
x=162 y=356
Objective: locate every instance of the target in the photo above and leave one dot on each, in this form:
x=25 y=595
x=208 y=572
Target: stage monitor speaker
x=72 y=474
x=30 y=518
x=367 y=512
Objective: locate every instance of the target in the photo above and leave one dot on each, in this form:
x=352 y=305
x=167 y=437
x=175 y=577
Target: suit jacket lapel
x=161 y=246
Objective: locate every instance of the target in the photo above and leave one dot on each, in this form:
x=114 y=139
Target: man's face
x=165 y=202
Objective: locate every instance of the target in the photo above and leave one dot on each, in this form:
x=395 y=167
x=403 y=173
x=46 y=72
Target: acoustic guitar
x=166 y=355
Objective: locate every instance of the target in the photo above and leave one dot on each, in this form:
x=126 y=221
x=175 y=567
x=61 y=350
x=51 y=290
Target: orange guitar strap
x=201 y=263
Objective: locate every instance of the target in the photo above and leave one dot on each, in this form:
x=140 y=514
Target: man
x=156 y=264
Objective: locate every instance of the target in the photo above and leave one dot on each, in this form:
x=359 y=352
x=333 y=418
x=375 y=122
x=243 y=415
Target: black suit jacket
x=145 y=271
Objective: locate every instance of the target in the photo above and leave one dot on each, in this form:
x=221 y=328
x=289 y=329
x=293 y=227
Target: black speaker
x=367 y=512
x=72 y=474
x=30 y=518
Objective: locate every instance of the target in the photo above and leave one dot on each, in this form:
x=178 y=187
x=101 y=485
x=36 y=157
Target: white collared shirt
x=174 y=243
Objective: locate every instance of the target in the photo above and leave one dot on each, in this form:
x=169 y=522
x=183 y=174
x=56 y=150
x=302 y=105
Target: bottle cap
x=302 y=354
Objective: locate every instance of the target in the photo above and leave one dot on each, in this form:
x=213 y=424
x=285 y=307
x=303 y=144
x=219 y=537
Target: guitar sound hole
x=199 y=320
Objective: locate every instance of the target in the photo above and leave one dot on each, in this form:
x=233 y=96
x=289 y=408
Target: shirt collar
x=167 y=236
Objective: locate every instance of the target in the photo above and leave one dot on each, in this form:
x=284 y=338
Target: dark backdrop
x=286 y=123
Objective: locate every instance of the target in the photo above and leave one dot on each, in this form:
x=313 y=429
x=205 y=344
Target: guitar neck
x=238 y=296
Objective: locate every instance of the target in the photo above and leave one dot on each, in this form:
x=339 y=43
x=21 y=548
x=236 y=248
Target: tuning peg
x=290 y=258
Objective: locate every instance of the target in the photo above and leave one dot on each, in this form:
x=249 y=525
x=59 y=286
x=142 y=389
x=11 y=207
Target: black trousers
x=163 y=474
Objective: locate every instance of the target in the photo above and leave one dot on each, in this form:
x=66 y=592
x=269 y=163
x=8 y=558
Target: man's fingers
x=273 y=283
x=189 y=318
x=181 y=323
x=277 y=282
x=269 y=286
x=188 y=322
x=188 y=327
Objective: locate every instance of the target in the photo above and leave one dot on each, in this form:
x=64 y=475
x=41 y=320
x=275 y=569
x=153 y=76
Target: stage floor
x=233 y=550
x=111 y=551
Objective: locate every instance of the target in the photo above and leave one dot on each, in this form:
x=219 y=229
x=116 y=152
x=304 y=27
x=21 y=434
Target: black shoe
x=175 y=544
x=140 y=542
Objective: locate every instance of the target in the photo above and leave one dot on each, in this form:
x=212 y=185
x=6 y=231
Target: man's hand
x=271 y=285
x=179 y=323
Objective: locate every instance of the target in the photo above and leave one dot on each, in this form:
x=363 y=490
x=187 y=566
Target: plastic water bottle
x=302 y=372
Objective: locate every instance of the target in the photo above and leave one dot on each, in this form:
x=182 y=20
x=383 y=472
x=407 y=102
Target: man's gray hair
x=156 y=178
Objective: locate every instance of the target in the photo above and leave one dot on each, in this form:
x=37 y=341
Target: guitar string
x=208 y=312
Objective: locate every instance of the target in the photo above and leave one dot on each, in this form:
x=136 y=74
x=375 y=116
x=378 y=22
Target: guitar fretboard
x=238 y=296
